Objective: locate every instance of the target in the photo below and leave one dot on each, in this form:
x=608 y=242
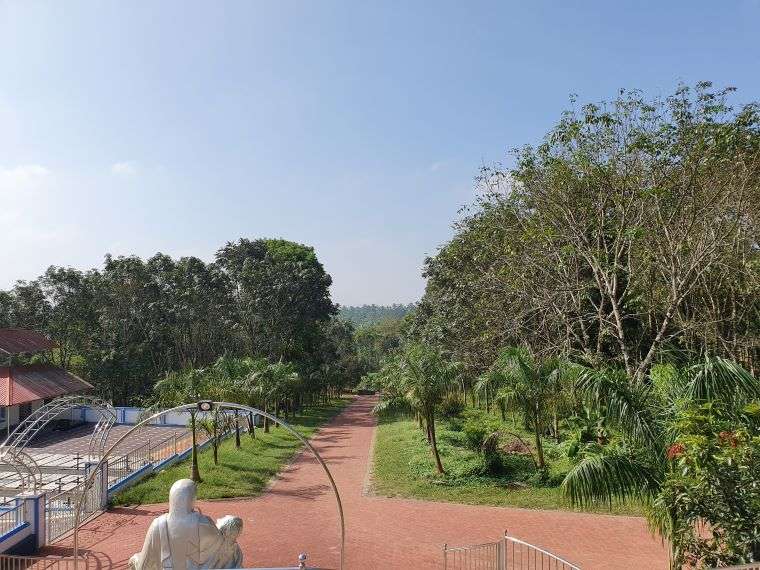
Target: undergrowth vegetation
x=504 y=475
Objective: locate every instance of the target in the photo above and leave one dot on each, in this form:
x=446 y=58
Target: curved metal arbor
x=194 y=408
x=29 y=474
x=25 y=431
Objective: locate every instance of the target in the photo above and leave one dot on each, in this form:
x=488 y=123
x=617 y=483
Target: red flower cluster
x=728 y=437
x=676 y=450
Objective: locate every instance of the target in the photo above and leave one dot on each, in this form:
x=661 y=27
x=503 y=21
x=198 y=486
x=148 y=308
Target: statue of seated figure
x=184 y=539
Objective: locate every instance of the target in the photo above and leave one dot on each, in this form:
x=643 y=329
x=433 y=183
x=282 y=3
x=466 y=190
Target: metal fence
x=60 y=509
x=506 y=554
x=11 y=516
x=9 y=562
x=121 y=467
x=488 y=556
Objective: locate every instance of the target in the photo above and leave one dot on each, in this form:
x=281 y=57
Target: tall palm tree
x=177 y=388
x=644 y=415
x=419 y=377
x=531 y=386
x=246 y=389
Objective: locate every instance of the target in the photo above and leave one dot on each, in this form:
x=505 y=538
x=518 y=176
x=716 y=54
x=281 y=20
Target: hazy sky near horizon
x=355 y=127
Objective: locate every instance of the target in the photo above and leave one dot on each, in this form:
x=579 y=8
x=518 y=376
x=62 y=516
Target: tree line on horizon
x=361 y=315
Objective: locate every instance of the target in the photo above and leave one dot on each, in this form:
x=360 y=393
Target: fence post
x=103 y=486
x=30 y=508
x=445 y=556
x=503 y=553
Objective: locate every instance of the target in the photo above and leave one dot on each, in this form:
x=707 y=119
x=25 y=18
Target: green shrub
x=452 y=406
x=477 y=426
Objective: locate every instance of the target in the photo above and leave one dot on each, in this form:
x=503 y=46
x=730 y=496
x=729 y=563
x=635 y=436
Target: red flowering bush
x=676 y=450
x=711 y=492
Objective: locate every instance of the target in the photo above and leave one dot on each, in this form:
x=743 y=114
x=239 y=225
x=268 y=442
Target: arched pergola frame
x=27 y=469
x=194 y=408
x=33 y=424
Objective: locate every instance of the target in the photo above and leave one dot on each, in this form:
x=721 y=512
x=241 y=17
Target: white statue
x=185 y=539
x=229 y=554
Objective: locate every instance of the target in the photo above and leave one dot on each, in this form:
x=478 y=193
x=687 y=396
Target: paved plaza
x=61 y=456
x=76 y=441
x=298 y=514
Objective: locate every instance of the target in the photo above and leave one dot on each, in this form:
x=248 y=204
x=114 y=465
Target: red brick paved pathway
x=298 y=514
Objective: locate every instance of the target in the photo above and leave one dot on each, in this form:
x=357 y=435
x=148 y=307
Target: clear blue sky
x=355 y=127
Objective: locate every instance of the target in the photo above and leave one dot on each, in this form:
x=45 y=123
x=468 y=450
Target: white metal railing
x=11 y=562
x=520 y=555
x=11 y=516
x=60 y=509
x=487 y=556
x=506 y=554
x=750 y=566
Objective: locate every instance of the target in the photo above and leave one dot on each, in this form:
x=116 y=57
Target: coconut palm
x=230 y=380
x=244 y=390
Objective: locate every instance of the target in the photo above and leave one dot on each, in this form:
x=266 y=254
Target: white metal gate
x=506 y=554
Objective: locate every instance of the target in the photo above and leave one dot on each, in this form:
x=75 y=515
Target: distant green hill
x=370 y=314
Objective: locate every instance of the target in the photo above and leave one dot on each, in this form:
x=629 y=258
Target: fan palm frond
x=609 y=477
x=716 y=378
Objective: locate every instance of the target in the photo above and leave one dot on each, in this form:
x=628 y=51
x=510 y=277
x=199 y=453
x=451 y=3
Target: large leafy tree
x=71 y=295
x=281 y=292
x=630 y=230
x=134 y=320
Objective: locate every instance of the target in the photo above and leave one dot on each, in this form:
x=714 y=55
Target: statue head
x=182 y=497
x=230 y=526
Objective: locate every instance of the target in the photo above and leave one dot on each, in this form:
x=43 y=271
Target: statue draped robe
x=191 y=538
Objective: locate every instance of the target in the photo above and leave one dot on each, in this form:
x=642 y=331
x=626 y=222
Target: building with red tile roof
x=24 y=384
x=24 y=388
x=23 y=341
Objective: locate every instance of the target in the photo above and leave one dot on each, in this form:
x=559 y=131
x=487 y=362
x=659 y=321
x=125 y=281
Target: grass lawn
x=404 y=467
x=242 y=472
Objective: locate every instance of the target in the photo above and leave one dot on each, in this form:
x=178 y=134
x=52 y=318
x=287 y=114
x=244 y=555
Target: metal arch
x=20 y=437
x=26 y=468
x=31 y=466
x=99 y=435
x=193 y=408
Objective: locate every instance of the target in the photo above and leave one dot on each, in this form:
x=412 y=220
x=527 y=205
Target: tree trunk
x=237 y=430
x=251 y=425
x=215 y=442
x=555 y=427
x=195 y=475
x=434 y=444
x=539 y=447
x=266 y=419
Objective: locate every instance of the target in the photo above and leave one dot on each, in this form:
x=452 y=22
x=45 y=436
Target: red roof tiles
x=22 y=384
x=20 y=341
